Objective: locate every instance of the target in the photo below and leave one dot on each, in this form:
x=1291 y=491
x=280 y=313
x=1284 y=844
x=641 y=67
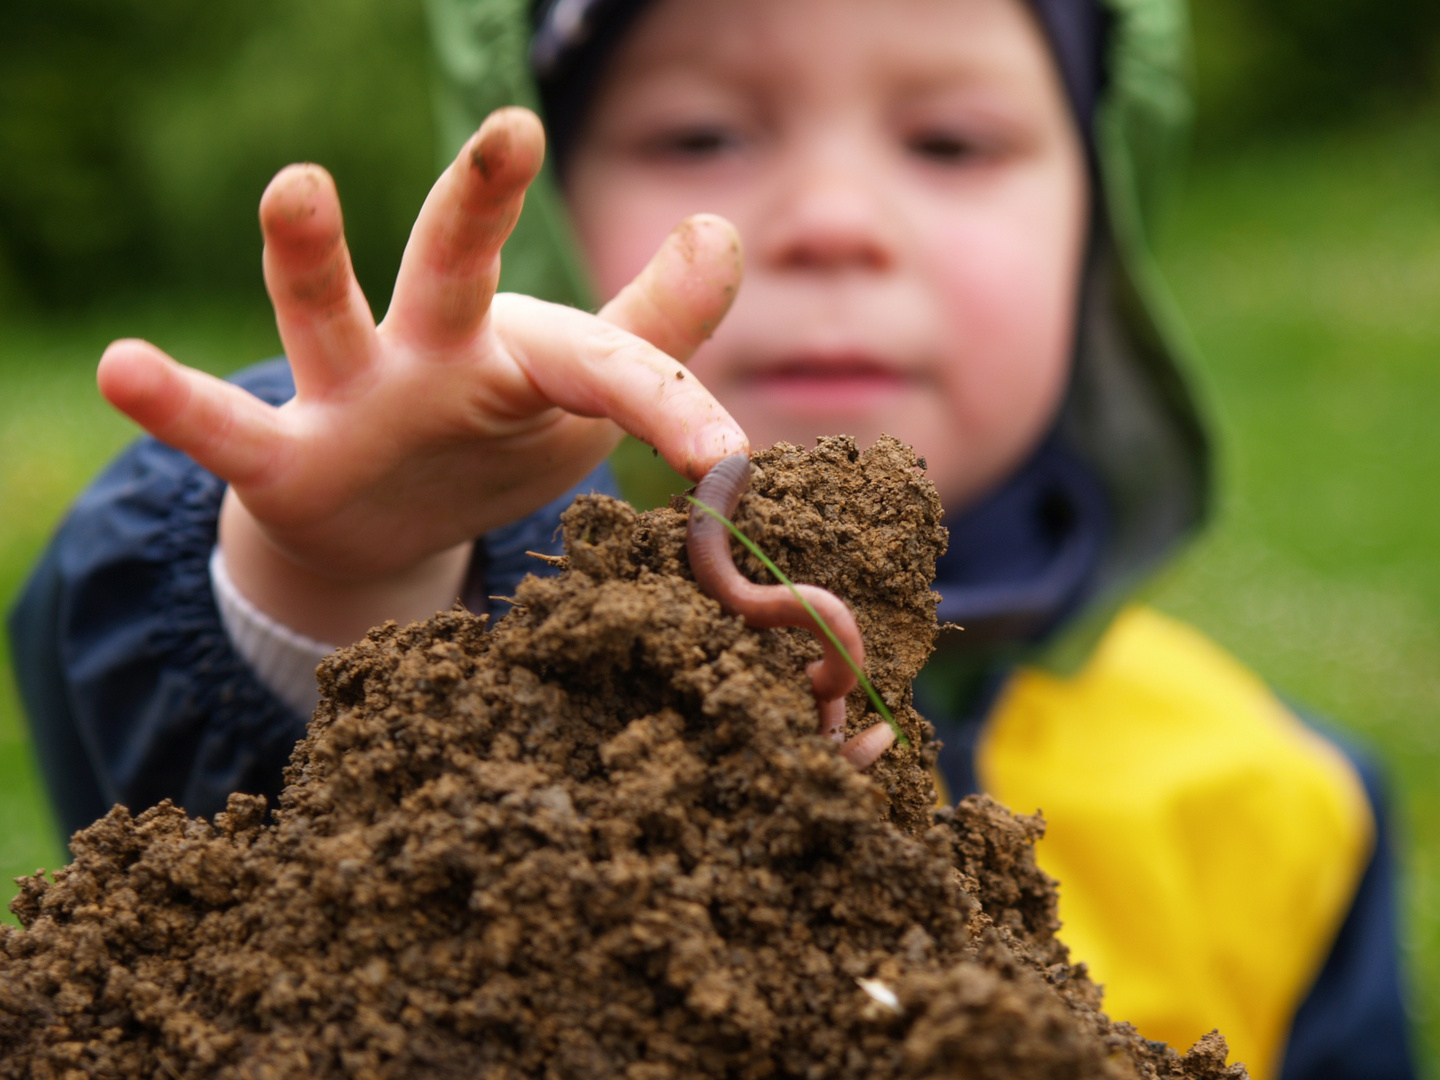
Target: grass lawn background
x=1309 y=274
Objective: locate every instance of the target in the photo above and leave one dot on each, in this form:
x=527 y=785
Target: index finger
x=591 y=368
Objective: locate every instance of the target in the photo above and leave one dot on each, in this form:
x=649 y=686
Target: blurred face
x=911 y=192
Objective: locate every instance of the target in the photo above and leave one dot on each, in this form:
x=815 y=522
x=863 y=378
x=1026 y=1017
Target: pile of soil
x=599 y=839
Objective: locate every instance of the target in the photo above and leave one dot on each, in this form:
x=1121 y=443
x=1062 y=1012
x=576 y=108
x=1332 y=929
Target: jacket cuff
x=283 y=660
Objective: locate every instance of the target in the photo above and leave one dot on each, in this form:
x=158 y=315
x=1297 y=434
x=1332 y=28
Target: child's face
x=912 y=194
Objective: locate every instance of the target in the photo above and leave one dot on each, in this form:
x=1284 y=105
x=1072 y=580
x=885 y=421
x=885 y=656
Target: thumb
x=685 y=290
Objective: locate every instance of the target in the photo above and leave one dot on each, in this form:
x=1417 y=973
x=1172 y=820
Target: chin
x=768 y=428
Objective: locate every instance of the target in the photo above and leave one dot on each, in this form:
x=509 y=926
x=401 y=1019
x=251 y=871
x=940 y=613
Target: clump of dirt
x=598 y=840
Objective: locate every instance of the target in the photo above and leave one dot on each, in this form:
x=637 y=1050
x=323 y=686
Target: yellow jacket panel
x=1206 y=842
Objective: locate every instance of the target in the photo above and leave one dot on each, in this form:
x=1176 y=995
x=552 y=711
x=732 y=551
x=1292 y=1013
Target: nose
x=828 y=216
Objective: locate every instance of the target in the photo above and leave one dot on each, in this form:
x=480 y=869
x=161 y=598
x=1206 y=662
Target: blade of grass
x=754 y=549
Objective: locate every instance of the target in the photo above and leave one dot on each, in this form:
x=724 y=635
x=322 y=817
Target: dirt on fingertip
x=598 y=839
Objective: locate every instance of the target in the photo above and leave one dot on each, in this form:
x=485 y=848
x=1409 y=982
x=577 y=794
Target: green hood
x=1129 y=411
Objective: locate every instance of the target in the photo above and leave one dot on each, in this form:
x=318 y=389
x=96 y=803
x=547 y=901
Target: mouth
x=815 y=385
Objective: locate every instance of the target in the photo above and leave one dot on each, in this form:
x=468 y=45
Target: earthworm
x=707 y=541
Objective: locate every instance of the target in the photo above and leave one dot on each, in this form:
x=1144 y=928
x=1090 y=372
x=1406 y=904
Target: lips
x=828 y=384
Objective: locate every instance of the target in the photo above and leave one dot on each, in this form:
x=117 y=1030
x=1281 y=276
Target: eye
x=695 y=143
x=943 y=147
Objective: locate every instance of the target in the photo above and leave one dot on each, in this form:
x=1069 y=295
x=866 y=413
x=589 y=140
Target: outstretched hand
x=357 y=500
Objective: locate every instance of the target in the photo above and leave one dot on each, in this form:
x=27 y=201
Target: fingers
x=452 y=262
x=591 y=369
x=682 y=294
x=864 y=749
x=227 y=430
x=632 y=375
x=325 y=323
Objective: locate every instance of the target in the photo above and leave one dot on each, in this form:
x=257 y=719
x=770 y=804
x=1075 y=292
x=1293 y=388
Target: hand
x=357 y=500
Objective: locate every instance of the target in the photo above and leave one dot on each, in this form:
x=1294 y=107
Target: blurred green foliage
x=1266 y=67
x=137 y=135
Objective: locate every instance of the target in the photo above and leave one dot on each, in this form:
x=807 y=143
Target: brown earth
x=597 y=840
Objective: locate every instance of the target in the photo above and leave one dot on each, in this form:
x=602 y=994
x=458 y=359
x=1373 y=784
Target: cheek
x=621 y=221
x=1007 y=288
x=1010 y=285
x=617 y=239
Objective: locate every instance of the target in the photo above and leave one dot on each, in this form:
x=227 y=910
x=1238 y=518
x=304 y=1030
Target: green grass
x=1310 y=275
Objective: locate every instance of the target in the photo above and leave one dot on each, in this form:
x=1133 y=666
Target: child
x=943 y=208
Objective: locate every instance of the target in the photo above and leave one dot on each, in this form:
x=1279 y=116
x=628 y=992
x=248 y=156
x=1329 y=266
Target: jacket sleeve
x=133 y=690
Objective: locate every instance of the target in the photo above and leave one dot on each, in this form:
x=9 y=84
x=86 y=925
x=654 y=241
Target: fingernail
x=715 y=441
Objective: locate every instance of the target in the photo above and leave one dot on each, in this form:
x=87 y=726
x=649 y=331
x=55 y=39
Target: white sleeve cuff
x=282 y=660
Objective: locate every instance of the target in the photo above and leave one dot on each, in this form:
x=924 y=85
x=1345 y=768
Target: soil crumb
x=597 y=840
